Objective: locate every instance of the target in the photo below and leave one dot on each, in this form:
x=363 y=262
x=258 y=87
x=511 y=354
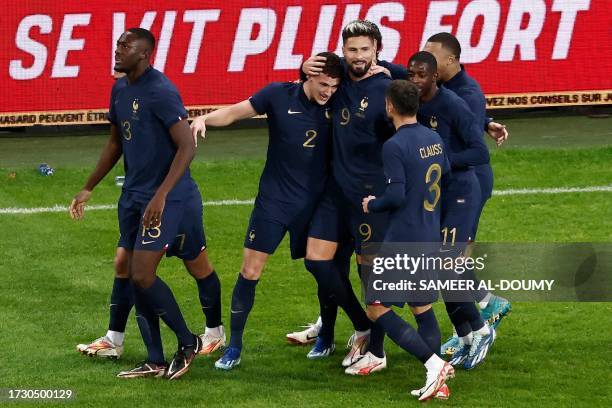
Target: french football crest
x=363 y=105
x=252 y=235
x=433 y=123
x=135 y=106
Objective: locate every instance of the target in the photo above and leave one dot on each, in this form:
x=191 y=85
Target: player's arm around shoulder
x=257 y=104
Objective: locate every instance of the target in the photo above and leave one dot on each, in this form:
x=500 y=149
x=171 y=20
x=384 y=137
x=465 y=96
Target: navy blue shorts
x=265 y=231
x=339 y=219
x=484 y=173
x=460 y=203
x=180 y=232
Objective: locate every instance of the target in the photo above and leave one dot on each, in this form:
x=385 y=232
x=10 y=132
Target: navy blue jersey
x=468 y=89
x=450 y=116
x=397 y=71
x=360 y=127
x=143 y=112
x=297 y=162
x=414 y=161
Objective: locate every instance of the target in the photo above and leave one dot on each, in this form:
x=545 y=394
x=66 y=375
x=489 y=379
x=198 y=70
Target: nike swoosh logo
x=146 y=242
x=236 y=311
x=309 y=337
x=292 y=112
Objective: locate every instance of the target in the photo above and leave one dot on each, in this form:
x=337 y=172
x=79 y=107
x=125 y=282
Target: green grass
x=55 y=277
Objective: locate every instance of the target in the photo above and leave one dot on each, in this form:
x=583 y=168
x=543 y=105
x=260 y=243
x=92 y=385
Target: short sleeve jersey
x=297 y=162
x=143 y=112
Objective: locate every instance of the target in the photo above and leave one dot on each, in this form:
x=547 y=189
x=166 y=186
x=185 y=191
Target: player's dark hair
x=333 y=65
x=448 y=41
x=426 y=58
x=377 y=35
x=404 y=95
x=359 y=28
x=143 y=34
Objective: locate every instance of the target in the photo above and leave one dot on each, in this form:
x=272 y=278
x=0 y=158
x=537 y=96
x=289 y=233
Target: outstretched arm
x=222 y=117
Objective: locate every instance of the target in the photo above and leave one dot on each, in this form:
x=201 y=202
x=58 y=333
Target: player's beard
x=360 y=73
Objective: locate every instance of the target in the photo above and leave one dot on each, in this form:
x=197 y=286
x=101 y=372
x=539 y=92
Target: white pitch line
x=60 y=208
x=561 y=190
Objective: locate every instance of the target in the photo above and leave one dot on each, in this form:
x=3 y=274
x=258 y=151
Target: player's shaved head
x=143 y=34
x=425 y=58
x=448 y=42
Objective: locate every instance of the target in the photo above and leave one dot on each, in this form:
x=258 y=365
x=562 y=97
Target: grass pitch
x=56 y=276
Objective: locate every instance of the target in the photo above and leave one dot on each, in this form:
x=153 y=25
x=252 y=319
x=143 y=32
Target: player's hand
x=497 y=132
x=153 y=213
x=198 y=125
x=313 y=66
x=377 y=69
x=77 y=206
x=365 y=201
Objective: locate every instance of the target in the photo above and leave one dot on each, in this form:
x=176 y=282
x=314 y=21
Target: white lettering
x=523 y=39
x=351 y=12
x=285 y=59
x=433 y=22
x=490 y=11
x=66 y=43
x=569 y=9
x=324 y=28
x=22 y=40
x=391 y=37
x=243 y=45
x=163 y=44
x=199 y=18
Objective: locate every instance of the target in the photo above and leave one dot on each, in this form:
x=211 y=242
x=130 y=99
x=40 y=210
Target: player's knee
x=122 y=269
x=375 y=311
x=417 y=310
x=142 y=279
x=251 y=272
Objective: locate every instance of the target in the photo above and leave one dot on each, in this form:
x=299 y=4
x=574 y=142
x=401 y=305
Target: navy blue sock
x=343 y=258
x=351 y=305
x=339 y=290
x=160 y=298
x=404 y=336
x=328 y=307
x=457 y=318
x=377 y=340
x=148 y=323
x=428 y=329
x=328 y=310
x=243 y=298
x=473 y=316
x=121 y=302
x=209 y=290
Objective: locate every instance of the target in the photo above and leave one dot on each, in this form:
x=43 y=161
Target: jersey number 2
x=310 y=137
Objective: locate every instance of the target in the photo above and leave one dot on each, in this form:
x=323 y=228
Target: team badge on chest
x=363 y=105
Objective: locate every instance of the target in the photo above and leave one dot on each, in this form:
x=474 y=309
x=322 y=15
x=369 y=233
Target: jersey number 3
x=434 y=186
